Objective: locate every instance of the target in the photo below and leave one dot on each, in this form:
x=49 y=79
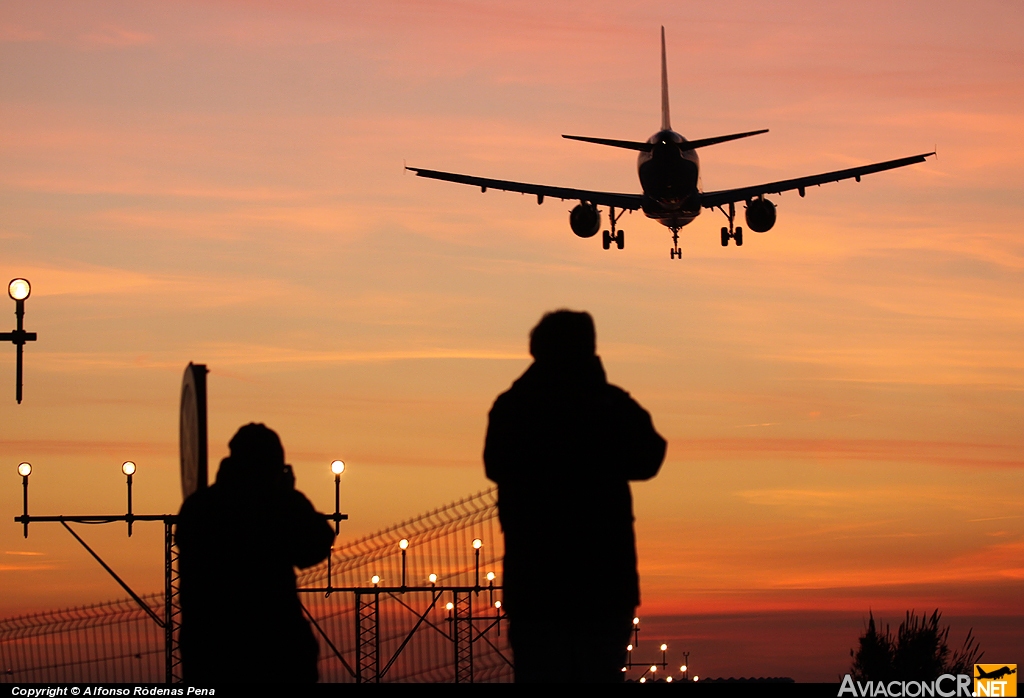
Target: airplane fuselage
x=670 y=178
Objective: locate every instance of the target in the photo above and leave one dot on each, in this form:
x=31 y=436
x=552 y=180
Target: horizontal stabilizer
x=629 y=145
x=721 y=139
x=647 y=147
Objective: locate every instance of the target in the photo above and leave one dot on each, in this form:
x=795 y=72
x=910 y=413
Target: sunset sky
x=222 y=182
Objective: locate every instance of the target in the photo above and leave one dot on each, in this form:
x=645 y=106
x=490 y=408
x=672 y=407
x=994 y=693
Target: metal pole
x=168 y=602
x=337 y=503
x=19 y=311
x=24 y=486
x=129 y=517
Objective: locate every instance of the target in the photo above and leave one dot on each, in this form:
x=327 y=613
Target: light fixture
x=477 y=543
x=629 y=648
x=19 y=289
x=636 y=621
x=497 y=604
x=449 y=606
x=432 y=578
x=128 y=468
x=403 y=544
x=683 y=668
x=664 y=647
x=490 y=576
x=337 y=467
x=695 y=678
x=25 y=469
x=654 y=668
x=375 y=580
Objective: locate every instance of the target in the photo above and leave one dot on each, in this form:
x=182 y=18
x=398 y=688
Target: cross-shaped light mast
x=19 y=290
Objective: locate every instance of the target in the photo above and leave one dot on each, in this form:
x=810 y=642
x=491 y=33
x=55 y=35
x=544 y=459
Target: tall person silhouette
x=239 y=542
x=562 y=445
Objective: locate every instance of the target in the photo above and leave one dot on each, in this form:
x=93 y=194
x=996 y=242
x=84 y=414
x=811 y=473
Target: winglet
x=666 y=122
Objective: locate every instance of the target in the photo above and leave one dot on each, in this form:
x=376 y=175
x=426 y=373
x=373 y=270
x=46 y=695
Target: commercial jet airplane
x=669 y=172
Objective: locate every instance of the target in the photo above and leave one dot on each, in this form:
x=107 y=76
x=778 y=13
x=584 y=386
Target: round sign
x=192 y=430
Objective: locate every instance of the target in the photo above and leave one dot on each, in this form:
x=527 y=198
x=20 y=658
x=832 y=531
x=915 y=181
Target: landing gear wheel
x=739 y=237
x=675 y=252
x=725 y=237
x=620 y=239
x=606 y=239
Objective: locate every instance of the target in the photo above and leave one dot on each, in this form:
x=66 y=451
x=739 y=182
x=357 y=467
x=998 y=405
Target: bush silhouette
x=918 y=652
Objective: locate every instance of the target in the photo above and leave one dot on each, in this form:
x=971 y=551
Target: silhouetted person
x=562 y=445
x=239 y=542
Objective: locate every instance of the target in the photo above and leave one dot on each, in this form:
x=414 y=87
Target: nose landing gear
x=729 y=232
x=619 y=238
x=675 y=252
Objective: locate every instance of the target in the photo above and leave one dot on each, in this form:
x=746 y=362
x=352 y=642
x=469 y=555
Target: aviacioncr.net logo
x=946 y=686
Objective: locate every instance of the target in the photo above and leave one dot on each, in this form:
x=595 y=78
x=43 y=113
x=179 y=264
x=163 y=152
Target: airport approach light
x=128 y=468
x=19 y=290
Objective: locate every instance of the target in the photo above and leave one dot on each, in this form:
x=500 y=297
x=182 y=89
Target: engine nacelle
x=585 y=220
x=760 y=215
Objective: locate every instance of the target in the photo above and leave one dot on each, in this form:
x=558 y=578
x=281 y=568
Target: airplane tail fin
x=666 y=122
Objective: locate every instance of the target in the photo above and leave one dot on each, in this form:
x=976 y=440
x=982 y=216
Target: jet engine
x=760 y=215
x=585 y=220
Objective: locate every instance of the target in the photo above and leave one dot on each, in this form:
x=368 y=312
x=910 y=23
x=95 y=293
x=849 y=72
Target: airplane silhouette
x=997 y=674
x=669 y=172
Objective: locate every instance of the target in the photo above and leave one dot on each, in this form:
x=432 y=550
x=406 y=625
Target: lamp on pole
x=25 y=469
x=128 y=468
x=19 y=290
x=404 y=545
x=337 y=467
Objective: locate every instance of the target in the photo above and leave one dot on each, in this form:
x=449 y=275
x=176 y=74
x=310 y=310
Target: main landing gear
x=727 y=233
x=619 y=238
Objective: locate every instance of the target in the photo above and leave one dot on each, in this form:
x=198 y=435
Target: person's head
x=563 y=336
x=256 y=451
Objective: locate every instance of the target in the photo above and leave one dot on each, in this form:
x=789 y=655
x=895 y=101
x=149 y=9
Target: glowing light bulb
x=128 y=468
x=497 y=604
x=629 y=648
x=477 y=543
x=653 y=668
x=403 y=544
x=668 y=679
x=636 y=621
x=375 y=579
x=337 y=467
x=643 y=679
x=25 y=469
x=664 y=647
x=695 y=678
x=682 y=668
x=19 y=289
x=449 y=606
x=490 y=576
x=432 y=577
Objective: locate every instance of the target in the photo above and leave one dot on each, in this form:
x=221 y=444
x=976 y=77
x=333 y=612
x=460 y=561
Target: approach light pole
x=337 y=467
x=19 y=290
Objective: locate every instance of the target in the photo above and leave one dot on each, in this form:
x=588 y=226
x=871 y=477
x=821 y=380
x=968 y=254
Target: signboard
x=192 y=430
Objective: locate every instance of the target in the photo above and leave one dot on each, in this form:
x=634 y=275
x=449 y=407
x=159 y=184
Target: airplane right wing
x=628 y=202
x=711 y=199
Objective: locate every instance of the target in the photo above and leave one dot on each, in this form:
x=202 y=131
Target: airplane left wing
x=711 y=199
x=629 y=202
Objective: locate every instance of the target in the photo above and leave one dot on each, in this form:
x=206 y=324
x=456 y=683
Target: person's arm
x=500 y=442
x=641 y=447
x=311 y=537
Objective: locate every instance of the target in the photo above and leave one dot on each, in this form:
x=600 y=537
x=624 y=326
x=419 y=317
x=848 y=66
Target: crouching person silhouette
x=239 y=542
x=562 y=445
